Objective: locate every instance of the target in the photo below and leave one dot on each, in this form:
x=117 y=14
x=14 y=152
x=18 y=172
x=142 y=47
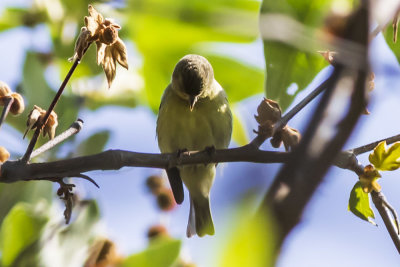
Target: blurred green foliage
x=285 y=63
x=161 y=252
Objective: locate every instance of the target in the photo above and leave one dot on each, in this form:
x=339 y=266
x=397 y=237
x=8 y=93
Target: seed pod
x=4 y=89
x=18 y=105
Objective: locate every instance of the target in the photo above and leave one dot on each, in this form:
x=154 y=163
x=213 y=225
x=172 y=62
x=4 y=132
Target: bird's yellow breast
x=208 y=124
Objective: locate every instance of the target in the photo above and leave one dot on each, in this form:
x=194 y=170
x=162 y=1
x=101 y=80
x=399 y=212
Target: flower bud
x=4 y=154
x=18 y=105
x=369 y=179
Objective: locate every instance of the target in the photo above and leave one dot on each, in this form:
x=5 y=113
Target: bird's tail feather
x=200 y=219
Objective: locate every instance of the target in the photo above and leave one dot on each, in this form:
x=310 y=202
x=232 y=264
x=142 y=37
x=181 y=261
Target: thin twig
x=7 y=105
x=394 y=214
x=365 y=148
x=35 y=136
x=73 y=129
x=289 y=115
x=382 y=206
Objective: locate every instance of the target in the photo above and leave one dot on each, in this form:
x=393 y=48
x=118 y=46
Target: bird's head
x=192 y=78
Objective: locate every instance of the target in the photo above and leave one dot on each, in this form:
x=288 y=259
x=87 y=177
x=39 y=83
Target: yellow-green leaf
x=20 y=229
x=239 y=134
x=359 y=204
x=386 y=159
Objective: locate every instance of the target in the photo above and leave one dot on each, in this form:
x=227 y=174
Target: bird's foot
x=210 y=150
x=182 y=152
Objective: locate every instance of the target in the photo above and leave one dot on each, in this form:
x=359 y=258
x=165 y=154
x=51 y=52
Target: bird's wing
x=174 y=177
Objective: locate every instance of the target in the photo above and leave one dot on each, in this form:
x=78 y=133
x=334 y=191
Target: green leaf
x=20 y=229
x=13 y=17
x=160 y=253
x=93 y=144
x=386 y=159
x=239 y=134
x=182 y=27
x=251 y=243
x=32 y=192
x=359 y=204
x=286 y=65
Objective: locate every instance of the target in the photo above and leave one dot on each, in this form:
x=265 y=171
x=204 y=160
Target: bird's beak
x=192 y=102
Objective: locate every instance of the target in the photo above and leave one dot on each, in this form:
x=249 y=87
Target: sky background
x=329 y=235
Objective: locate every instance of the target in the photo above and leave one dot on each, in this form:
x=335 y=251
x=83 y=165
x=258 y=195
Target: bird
x=194 y=115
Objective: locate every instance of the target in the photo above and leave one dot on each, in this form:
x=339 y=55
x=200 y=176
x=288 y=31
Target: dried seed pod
x=50 y=126
x=268 y=110
x=165 y=199
x=290 y=137
x=18 y=105
x=33 y=117
x=4 y=89
x=155 y=183
x=157 y=231
x=4 y=154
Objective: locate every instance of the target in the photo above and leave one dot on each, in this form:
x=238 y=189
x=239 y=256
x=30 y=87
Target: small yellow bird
x=194 y=114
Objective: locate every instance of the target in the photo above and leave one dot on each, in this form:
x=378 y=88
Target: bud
x=4 y=89
x=4 y=154
x=165 y=199
x=369 y=179
x=18 y=105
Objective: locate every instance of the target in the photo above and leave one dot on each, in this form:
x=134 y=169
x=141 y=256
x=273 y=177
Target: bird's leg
x=181 y=152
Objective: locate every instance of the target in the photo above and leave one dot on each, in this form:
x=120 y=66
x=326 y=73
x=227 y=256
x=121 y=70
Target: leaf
x=359 y=204
x=251 y=243
x=183 y=29
x=20 y=229
x=163 y=252
x=239 y=134
x=286 y=65
x=93 y=144
x=13 y=17
x=11 y=194
x=385 y=159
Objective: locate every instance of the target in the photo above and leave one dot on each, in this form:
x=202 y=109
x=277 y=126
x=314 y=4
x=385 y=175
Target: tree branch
x=383 y=208
x=73 y=129
x=13 y=171
x=7 y=105
x=326 y=133
x=365 y=148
